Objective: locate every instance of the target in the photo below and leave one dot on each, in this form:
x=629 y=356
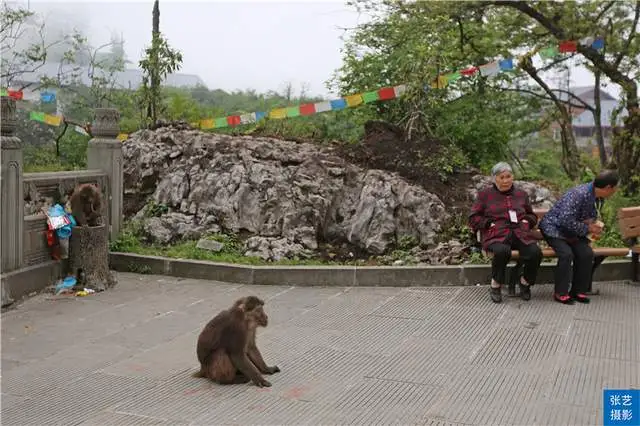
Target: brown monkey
x=227 y=348
x=86 y=204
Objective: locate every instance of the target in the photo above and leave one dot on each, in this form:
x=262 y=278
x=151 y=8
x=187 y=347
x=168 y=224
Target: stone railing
x=25 y=256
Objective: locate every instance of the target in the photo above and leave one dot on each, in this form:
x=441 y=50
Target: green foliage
x=611 y=236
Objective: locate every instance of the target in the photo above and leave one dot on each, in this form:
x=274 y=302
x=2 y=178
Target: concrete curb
x=343 y=276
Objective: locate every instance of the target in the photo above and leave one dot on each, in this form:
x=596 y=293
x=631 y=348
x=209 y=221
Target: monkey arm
x=246 y=367
x=256 y=358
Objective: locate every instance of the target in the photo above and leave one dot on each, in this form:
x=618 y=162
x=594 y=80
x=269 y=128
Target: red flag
x=15 y=94
x=469 y=71
x=233 y=120
x=568 y=46
x=386 y=93
x=307 y=109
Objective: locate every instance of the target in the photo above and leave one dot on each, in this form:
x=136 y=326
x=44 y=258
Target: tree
x=159 y=61
x=620 y=63
x=413 y=43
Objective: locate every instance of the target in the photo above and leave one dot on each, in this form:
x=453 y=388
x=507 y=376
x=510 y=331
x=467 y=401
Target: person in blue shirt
x=567 y=227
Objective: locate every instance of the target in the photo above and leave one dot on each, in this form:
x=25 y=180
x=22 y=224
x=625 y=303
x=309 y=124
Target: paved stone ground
x=348 y=356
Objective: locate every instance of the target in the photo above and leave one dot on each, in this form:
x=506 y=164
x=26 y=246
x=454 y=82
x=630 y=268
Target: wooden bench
x=629 y=224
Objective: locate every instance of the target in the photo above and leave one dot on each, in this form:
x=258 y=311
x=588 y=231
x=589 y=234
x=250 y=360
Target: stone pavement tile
x=45 y=375
x=152 y=332
x=333 y=363
x=482 y=395
x=579 y=381
x=518 y=348
x=257 y=407
x=416 y=303
x=425 y=361
x=605 y=340
x=107 y=418
x=543 y=315
x=375 y=335
x=375 y=401
x=75 y=401
x=7 y=400
x=471 y=325
x=566 y=414
x=342 y=311
x=287 y=305
x=477 y=297
x=616 y=305
x=178 y=356
x=283 y=344
x=180 y=399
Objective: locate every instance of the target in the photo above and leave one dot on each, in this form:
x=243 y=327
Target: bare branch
x=625 y=49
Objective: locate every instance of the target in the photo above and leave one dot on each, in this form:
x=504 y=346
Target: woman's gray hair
x=501 y=167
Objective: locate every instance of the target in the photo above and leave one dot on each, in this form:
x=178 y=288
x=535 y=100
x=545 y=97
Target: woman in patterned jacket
x=504 y=216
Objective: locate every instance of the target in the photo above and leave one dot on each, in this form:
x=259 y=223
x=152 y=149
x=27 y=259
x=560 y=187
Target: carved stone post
x=105 y=153
x=11 y=193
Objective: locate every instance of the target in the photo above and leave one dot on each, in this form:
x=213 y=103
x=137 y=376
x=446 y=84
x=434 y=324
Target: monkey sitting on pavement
x=227 y=348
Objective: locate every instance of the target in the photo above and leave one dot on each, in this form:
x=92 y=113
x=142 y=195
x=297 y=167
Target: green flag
x=293 y=111
x=369 y=97
x=37 y=116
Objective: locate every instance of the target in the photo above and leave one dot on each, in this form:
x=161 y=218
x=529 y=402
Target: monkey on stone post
x=86 y=204
x=227 y=348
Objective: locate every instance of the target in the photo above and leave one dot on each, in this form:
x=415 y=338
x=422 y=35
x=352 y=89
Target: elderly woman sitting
x=503 y=215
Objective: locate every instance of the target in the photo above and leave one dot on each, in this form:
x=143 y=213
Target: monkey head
x=253 y=308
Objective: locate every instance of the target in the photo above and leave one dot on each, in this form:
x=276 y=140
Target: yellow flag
x=353 y=100
x=440 y=82
x=206 y=124
x=53 y=120
x=278 y=113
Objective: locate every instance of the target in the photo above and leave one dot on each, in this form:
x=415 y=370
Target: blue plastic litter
x=66 y=283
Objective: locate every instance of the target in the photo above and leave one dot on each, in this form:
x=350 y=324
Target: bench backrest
x=629 y=220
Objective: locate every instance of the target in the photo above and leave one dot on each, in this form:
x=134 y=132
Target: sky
x=236 y=44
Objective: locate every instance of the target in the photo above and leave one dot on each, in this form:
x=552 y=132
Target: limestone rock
x=288 y=197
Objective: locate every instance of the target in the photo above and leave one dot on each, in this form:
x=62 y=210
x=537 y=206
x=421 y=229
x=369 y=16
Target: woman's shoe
x=496 y=294
x=564 y=298
x=525 y=292
x=580 y=297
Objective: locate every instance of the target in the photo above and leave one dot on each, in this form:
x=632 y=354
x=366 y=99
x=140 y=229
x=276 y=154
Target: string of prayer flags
x=349 y=101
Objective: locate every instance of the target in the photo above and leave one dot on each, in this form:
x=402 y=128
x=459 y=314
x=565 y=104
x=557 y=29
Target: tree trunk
x=570 y=156
x=597 y=120
x=89 y=257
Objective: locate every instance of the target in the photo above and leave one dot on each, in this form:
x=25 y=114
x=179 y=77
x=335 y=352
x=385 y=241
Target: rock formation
x=283 y=198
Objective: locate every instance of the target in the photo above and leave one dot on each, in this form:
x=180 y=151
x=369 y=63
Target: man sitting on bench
x=567 y=228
